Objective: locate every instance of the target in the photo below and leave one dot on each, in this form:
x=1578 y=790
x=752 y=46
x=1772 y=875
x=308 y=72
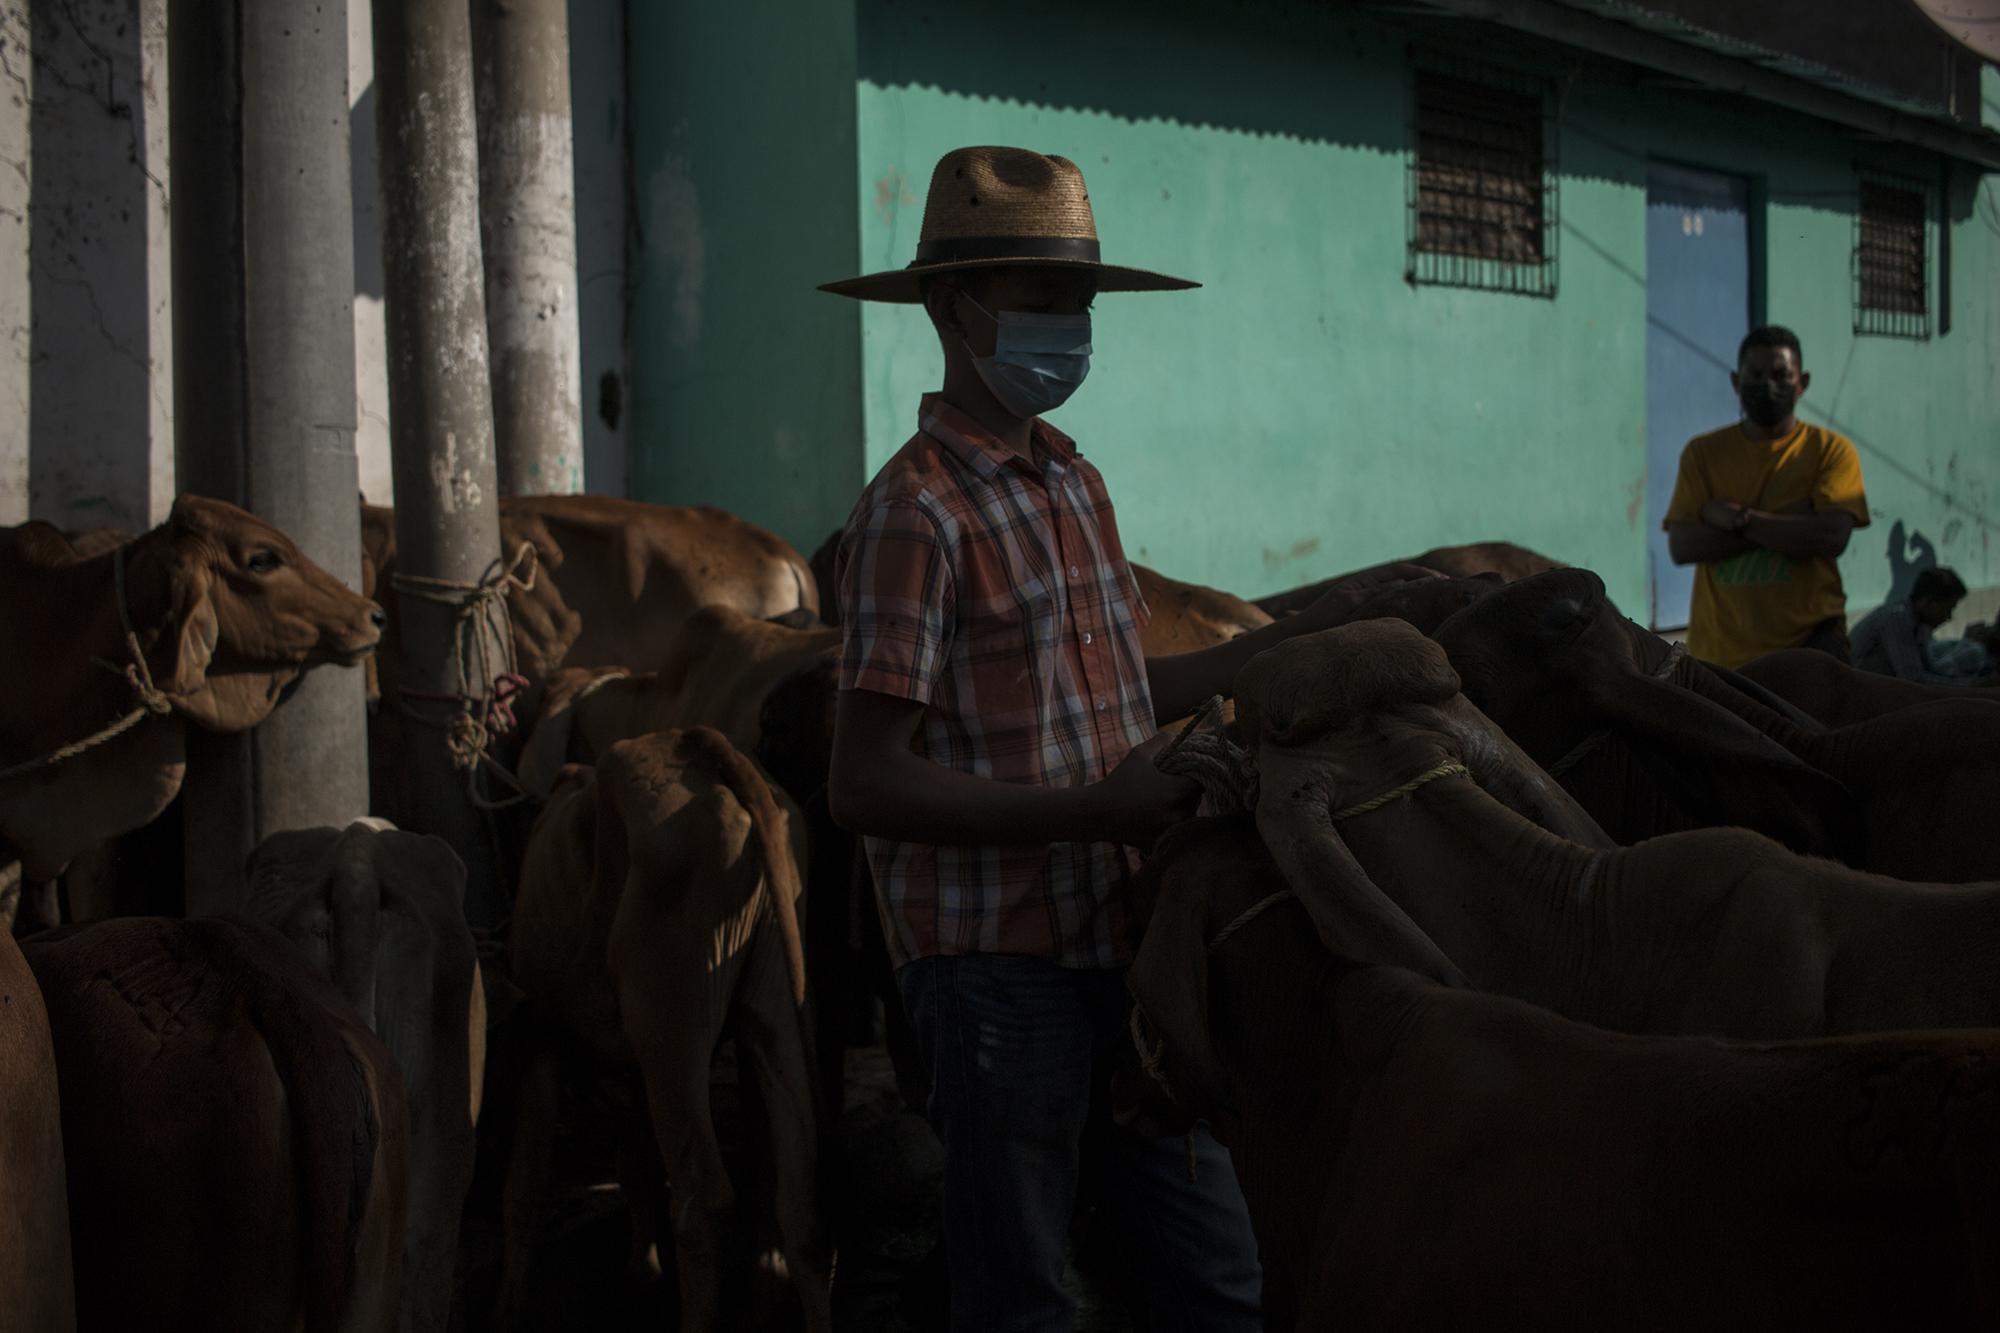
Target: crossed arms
x=1727 y=529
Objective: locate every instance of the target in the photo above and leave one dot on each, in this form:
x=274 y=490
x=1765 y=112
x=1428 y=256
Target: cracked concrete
x=99 y=399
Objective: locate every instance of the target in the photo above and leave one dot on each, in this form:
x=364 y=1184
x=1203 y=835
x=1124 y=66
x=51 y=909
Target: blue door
x=1697 y=311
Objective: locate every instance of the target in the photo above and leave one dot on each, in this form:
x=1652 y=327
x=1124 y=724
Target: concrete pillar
x=527 y=222
x=101 y=393
x=16 y=92
x=440 y=409
x=264 y=400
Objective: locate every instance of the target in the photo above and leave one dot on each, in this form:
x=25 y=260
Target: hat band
x=956 y=249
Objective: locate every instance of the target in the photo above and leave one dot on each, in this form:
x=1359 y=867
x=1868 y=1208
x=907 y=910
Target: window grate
x=1482 y=179
x=1892 y=257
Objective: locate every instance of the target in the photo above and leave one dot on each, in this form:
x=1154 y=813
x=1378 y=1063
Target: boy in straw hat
x=994 y=743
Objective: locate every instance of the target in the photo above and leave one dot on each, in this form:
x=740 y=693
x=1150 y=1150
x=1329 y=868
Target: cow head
x=1550 y=659
x=329 y=891
x=1375 y=701
x=1427 y=603
x=246 y=613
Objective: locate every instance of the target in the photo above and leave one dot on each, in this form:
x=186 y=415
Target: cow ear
x=194 y=646
x=1722 y=770
x=1169 y=983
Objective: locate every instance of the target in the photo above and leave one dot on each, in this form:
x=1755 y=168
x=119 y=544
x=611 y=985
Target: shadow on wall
x=92 y=378
x=362 y=157
x=1910 y=554
x=1165 y=62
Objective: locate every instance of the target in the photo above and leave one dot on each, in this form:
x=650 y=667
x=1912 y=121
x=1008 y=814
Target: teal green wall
x=1309 y=411
x=746 y=381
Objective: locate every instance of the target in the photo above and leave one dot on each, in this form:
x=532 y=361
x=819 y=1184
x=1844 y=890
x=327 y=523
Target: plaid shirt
x=994 y=590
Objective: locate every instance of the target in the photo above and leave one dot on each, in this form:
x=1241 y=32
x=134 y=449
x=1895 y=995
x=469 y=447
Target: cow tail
x=336 y=1116
x=774 y=848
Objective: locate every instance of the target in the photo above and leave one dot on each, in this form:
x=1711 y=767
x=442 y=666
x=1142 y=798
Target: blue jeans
x=1015 y=1047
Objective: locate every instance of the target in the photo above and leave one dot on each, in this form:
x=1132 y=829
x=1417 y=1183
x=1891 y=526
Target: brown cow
x=657 y=909
x=1419 y=1157
x=378 y=912
x=615 y=578
x=236 y=1140
x=35 y=1287
x=1188 y=616
x=1501 y=560
x=1716 y=931
x=769 y=688
x=1835 y=694
x=1650 y=743
x=613 y=582
x=227 y=614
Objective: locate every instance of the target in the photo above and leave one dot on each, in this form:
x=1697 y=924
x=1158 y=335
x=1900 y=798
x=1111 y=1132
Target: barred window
x=1891 y=253
x=1482 y=180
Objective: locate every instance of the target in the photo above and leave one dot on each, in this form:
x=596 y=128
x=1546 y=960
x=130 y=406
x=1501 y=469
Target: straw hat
x=991 y=207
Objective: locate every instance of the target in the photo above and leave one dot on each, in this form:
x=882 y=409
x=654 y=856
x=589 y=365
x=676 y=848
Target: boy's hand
x=1140 y=802
x=1337 y=605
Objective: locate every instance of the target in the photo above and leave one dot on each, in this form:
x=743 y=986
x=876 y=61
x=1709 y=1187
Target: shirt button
x=1086 y=636
x=1100 y=705
x=1074 y=571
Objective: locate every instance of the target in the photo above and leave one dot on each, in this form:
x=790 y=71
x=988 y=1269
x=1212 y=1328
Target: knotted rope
x=482 y=619
x=1449 y=768
x=152 y=701
x=1149 y=1063
x=1210 y=758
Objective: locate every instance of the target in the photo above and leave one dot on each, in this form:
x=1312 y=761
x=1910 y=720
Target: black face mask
x=1767 y=403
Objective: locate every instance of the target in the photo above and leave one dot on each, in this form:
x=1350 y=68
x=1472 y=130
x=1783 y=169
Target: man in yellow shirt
x=1765 y=507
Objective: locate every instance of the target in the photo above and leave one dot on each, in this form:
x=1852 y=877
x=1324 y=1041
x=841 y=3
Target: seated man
x=1895 y=638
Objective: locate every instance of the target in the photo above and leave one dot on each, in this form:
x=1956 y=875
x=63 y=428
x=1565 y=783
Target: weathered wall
x=747 y=392
x=1308 y=410
x=101 y=379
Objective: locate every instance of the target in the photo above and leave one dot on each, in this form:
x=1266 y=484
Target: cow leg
x=675 y=1069
x=779 y=1055
x=39 y=907
x=524 y=1200
x=642 y=1182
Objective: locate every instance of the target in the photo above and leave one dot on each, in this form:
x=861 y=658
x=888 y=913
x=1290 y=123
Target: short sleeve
x=1114 y=549
x=896 y=602
x=1691 y=491
x=1838 y=486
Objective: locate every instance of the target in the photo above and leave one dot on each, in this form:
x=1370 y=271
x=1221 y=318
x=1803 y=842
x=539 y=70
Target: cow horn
x=1720 y=768
x=1355 y=919
x=1507 y=774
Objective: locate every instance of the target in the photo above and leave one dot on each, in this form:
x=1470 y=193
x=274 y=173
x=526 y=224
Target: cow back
x=220 y=1099
x=35 y=1286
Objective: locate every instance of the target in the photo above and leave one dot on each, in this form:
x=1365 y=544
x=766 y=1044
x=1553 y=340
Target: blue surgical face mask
x=1038 y=360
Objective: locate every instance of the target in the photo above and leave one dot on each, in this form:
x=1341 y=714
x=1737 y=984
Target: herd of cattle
x=1628 y=991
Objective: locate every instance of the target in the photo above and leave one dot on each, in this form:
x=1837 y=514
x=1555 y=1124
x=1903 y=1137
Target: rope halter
x=480 y=616
x=152 y=701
